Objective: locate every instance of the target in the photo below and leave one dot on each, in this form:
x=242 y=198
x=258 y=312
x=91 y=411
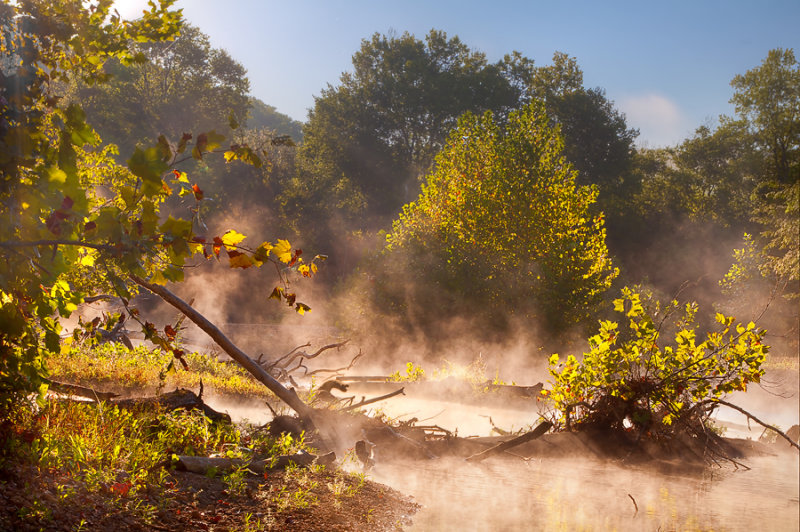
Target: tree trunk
x=287 y=396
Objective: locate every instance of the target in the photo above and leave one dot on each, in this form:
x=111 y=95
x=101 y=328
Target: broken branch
x=373 y=400
x=754 y=418
x=543 y=427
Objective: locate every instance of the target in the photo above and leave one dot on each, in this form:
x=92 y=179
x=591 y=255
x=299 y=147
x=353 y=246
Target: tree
x=182 y=85
x=74 y=220
x=501 y=220
x=376 y=132
x=767 y=98
x=263 y=116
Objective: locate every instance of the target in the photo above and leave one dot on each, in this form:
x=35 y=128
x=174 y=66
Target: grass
x=113 y=365
x=124 y=457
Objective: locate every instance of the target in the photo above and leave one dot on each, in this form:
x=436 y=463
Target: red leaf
x=67 y=203
x=121 y=488
x=89 y=226
x=198 y=194
x=171 y=333
x=217 y=245
x=52 y=224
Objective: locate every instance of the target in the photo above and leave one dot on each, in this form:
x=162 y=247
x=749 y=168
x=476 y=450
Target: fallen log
x=203 y=465
x=284 y=394
x=543 y=427
x=180 y=399
x=80 y=391
x=326 y=434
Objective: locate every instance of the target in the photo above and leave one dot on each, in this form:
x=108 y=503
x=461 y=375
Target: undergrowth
x=142 y=368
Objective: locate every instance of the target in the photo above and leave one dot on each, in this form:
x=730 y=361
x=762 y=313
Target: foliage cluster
x=75 y=221
x=505 y=223
x=636 y=378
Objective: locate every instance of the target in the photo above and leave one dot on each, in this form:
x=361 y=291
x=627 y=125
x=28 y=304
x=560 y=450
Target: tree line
x=499 y=188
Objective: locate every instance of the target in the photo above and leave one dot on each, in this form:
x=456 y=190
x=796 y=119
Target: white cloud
x=660 y=121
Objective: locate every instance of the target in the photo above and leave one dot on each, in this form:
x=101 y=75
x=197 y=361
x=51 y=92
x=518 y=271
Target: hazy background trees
x=337 y=183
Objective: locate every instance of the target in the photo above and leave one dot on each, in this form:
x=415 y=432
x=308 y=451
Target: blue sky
x=666 y=65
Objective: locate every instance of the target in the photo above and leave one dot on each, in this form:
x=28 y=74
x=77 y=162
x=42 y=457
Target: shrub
x=632 y=380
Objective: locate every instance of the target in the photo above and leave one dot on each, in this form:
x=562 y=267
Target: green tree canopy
x=379 y=129
x=184 y=85
x=501 y=219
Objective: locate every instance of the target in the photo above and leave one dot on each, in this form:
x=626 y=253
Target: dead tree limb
x=202 y=464
x=336 y=370
x=81 y=391
x=543 y=427
x=754 y=418
x=373 y=400
x=284 y=394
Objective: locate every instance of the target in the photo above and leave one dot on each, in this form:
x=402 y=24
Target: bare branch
x=754 y=418
x=373 y=400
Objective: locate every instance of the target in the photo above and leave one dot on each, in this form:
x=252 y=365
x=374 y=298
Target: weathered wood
x=543 y=427
x=776 y=430
x=80 y=391
x=176 y=400
x=284 y=394
x=373 y=400
x=203 y=464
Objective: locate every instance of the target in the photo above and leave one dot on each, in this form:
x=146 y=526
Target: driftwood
x=287 y=396
x=283 y=367
x=543 y=427
x=202 y=464
x=397 y=444
x=178 y=400
x=754 y=418
x=80 y=391
x=365 y=402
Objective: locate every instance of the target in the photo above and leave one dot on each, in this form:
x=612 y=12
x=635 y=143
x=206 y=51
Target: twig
x=635 y=506
x=754 y=418
x=373 y=400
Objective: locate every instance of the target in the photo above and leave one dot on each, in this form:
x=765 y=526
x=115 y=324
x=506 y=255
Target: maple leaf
x=198 y=194
x=283 y=250
x=231 y=238
x=217 y=245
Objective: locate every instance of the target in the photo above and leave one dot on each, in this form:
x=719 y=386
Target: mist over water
x=585 y=494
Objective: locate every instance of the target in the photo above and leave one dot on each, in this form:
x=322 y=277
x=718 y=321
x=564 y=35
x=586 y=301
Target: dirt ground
x=32 y=500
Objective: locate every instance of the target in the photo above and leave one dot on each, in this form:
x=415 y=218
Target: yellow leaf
x=88 y=260
x=283 y=250
x=231 y=238
x=196 y=247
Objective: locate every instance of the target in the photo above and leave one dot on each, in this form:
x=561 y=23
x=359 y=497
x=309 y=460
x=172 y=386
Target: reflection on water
x=561 y=494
